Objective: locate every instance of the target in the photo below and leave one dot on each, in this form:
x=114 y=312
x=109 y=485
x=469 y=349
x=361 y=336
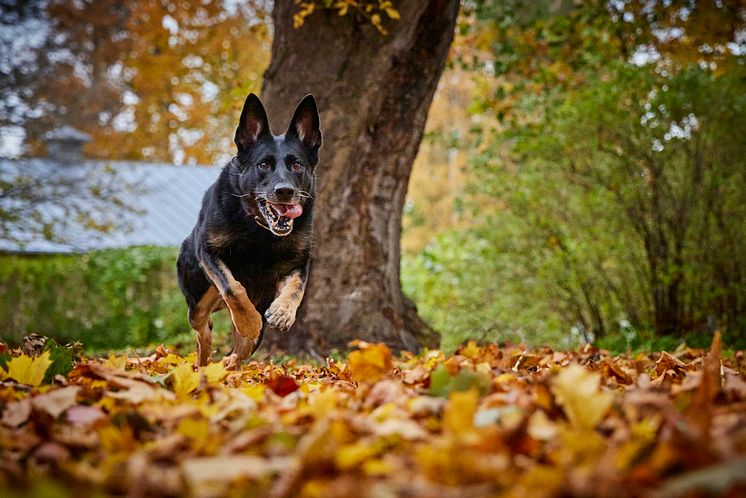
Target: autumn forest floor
x=486 y=421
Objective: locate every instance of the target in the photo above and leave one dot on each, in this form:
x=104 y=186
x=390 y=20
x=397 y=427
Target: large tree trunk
x=374 y=92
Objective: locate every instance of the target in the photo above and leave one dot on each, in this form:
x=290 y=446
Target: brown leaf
x=715 y=480
x=137 y=392
x=56 y=401
x=226 y=468
x=709 y=387
x=52 y=452
x=16 y=412
x=613 y=369
x=83 y=415
x=370 y=362
x=735 y=386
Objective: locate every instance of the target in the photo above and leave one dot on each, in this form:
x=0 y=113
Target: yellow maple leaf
x=254 y=391
x=183 y=379
x=195 y=428
x=459 y=413
x=27 y=370
x=577 y=391
x=351 y=455
x=471 y=350
x=215 y=372
x=116 y=439
x=322 y=404
x=378 y=467
x=369 y=363
x=117 y=362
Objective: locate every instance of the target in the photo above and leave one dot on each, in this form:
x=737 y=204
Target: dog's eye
x=263 y=166
x=297 y=167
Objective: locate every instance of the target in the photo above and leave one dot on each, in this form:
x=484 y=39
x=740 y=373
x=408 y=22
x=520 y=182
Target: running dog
x=250 y=249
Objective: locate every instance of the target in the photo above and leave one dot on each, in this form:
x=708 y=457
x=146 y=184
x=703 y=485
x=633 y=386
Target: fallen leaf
x=282 y=385
x=215 y=372
x=540 y=427
x=226 y=468
x=137 y=392
x=52 y=452
x=352 y=455
x=544 y=429
x=184 y=379
x=370 y=362
x=709 y=387
x=404 y=428
x=82 y=415
x=711 y=480
x=55 y=402
x=577 y=391
x=458 y=417
x=27 y=370
x=16 y=412
x=442 y=383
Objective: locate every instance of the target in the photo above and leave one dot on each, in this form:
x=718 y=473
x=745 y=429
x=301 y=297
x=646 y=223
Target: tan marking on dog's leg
x=281 y=313
x=244 y=315
x=199 y=319
x=242 y=348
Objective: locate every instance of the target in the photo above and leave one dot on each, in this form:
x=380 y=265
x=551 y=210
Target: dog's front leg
x=246 y=319
x=290 y=290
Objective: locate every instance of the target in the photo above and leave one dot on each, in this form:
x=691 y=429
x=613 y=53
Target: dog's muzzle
x=277 y=217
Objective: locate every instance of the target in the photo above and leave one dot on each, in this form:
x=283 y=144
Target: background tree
x=155 y=81
x=374 y=91
x=603 y=200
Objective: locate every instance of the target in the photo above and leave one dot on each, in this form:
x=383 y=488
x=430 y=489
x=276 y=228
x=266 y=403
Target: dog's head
x=275 y=174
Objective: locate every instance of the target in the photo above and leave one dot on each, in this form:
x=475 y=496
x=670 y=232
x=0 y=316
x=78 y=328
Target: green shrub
x=621 y=207
x=104 y=299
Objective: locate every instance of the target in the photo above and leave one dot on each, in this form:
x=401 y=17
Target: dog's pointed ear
x=253 y=123
x=305 y=127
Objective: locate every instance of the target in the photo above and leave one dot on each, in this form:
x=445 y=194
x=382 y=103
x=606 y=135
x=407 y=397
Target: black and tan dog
x=251 y=246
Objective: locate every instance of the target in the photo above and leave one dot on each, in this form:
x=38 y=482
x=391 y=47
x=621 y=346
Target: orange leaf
x=370 y=363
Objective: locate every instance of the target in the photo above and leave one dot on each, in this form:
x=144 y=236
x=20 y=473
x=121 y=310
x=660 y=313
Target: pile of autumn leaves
x=486 y=421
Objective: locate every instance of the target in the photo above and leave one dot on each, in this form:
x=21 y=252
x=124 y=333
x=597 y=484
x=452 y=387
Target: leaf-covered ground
x=487 y=421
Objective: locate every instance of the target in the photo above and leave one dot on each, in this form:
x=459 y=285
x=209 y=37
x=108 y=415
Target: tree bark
x=374 y=91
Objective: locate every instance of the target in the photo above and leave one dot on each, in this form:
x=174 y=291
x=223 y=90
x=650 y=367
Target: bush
x=104 y=299
x=622 y=207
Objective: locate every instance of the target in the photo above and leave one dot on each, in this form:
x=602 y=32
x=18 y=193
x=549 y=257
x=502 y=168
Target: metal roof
x=166 y=202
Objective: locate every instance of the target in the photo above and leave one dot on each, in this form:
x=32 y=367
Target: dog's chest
x=261 y=268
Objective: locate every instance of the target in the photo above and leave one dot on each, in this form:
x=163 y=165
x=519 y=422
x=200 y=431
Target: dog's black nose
x=284 y=191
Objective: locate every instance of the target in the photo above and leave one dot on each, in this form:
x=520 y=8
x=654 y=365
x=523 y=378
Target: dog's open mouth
x=279 y=217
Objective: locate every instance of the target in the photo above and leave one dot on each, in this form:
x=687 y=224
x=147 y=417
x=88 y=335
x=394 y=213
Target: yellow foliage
x=116 y=362
x=27 y=370
x=323 y=404
x=471 y=350
x=215 y=372
x=577 y=390
x=184 y=379
x=116 y=439
x=195 y=428
x=351 y=455
x=459 y=413
x=369 y=363
x=331 y=437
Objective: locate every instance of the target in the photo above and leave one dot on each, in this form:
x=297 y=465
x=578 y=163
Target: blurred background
x=581 y=179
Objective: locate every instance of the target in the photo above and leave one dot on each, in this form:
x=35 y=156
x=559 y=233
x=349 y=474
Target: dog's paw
x=280 y=316
x=231 y=362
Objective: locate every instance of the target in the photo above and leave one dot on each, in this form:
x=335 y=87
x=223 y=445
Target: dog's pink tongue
x=289 y=210
x=293 y=210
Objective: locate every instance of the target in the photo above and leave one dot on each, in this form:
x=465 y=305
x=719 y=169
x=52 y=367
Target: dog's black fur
x=243 y=254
